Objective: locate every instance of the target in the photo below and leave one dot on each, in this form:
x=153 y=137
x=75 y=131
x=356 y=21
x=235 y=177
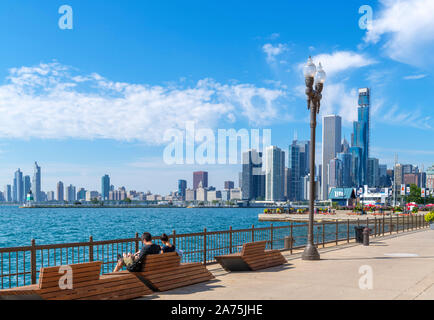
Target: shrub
x=429 y=217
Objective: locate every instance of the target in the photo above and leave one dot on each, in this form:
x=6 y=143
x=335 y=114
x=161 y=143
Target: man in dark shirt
x=133 y=262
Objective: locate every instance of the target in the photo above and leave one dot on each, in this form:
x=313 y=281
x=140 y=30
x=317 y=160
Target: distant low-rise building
x=190 y=195
x=235 y=194
x=214 y=195
x=201 y=194
x=90 y=195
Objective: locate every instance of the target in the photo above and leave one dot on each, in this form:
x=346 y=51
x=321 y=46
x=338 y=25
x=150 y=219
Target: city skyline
x=229 y=76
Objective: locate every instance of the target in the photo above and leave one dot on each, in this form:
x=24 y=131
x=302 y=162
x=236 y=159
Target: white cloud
x=407 y=30
x=49 y=101
x=340 y=61
x=415 y=77
x=273 y=51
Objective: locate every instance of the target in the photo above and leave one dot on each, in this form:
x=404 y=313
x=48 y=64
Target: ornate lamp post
x=311 y=75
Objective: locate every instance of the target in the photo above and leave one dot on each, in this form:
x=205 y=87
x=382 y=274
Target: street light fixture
x=318 y=76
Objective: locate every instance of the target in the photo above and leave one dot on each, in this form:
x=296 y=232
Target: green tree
x=415 y=195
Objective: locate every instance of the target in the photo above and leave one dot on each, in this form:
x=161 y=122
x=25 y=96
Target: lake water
x=59 y=225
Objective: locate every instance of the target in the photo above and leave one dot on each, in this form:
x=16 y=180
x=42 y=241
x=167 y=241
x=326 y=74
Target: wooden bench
x=252 y=257
x=87 y=284
x=162 y=272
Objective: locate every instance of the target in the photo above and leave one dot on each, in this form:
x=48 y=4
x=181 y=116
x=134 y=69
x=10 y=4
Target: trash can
x=359 y=234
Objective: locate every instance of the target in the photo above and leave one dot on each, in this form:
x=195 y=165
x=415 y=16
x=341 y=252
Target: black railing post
x=375 y=226
x=348 y=230
x=291 y=239
x=33 y=262
x=323 y=234
x=253 y=233
x=390 y=223
x=271 y=237
x=230 y=239
x=90 y=249
x=174 y=237
x=137 y=242
x=204 y=246
x=337 y=232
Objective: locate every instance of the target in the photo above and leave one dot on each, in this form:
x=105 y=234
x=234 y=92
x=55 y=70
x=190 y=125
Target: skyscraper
x=361 y=133
x=8 y=193
x=36 y=183
x=18 y=190
x=373 y=172
x=229 y=185
x=26 y=186
x=346 y=159
x=198 y=177
x=105 y=187
x=294 y=174
x=252 y=175
x=335 y=173
x=59 y=190
x=182 y=186
x=356 y=166
x=331 y=146
x=274 y=173
x=70 y=193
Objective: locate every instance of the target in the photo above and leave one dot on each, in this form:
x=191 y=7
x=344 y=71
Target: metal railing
x=20 y=266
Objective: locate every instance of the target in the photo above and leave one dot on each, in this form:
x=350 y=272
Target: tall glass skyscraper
x=36 y=183
x=105 y=187
x=26 y=186
x=360 y=137
x=182 y=186
x=18 y=189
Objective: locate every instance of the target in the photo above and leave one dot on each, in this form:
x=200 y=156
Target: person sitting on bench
x=133 y=262
x=167 y=246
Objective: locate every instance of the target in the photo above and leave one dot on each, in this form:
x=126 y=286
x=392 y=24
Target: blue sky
x=98 y=98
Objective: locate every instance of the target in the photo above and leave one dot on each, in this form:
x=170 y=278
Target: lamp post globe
x=309 y=69
x=320 y=75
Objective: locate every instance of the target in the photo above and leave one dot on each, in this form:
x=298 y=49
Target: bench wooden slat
x=253 y=257
x=164 y=272
x=87 y=284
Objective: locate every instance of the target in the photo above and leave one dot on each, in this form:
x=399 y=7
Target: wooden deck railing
x=20 y=265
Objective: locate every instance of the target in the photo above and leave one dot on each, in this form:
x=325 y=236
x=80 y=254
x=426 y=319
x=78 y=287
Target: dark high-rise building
x=200 y=177
x=182 y=186
x=81 y=194
x=59 y=190
x=105 y=187
x=346 y=159
x=356 y=166
x=335 y=173
x=253 y=179
x=294 y=175
x=373 y=172
x=229 y=185
x=360 y=137
x=26 y=186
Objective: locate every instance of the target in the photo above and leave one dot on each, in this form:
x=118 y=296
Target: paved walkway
x=402 y=268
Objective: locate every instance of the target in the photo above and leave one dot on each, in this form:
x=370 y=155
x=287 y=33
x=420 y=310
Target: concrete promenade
x=402 y=268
